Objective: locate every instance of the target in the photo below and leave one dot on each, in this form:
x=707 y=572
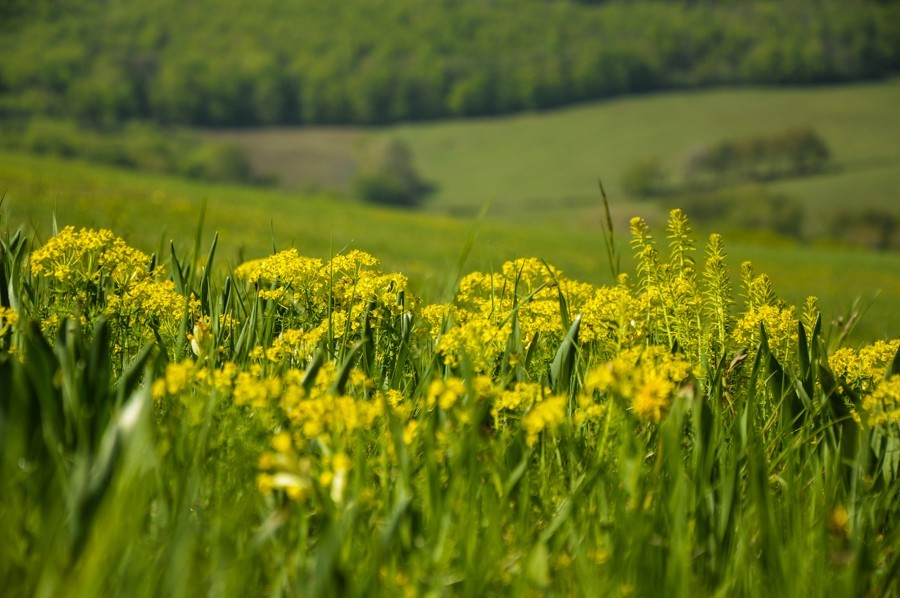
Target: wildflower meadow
x=296 y=426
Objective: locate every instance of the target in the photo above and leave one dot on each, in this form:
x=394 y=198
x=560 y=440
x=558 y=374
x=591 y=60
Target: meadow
x=540 y=167
x=150 y=210
x=295 y=425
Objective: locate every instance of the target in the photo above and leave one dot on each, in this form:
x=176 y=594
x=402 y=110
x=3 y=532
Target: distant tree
x=219 y=162
x=795 y=152
x=760 y=210
x=645 y=178
x=805 y=150
x=750 y=208
x=696 y=168
x=874 y=228
x=387 y=175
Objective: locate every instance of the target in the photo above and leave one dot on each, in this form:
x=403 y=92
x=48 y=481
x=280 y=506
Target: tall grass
x=310 y=427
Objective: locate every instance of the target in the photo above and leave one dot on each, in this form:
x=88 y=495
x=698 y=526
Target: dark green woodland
x=246 y=63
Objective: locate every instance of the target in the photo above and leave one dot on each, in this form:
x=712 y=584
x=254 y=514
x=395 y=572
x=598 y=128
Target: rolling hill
x=150 y=210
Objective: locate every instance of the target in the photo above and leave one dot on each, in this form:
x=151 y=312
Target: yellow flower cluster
x=515 y=400
x=177 y=377
x=92 y=273
x=287 y=268
x=256 y=391
x=319 y=412
x=74 y=257
x=612 y=316
x=861 y=370
x=8 y=319
x=488 y=350
x=152 y=301
x=445 y=392
x=297 y=476
x=780 y=324
x=883 y=405
x=538 y=300
x=528 y=286
x=294 y=346
x=646 y=379
x=346 y=283
x=433 y=317
x=192 y=384
x=544 y=415
x=479 y=339
x=284 y=470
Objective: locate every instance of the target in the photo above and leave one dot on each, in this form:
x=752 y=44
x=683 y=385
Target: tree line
x=263 y=62
x=793 y=152
x=136 y=145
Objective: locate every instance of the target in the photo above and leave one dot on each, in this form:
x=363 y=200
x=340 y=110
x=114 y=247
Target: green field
x=150 y=210
x=544 y=165
x=314 y=428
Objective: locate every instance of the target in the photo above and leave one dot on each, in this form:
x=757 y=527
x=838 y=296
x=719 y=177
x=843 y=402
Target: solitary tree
x=387 y=175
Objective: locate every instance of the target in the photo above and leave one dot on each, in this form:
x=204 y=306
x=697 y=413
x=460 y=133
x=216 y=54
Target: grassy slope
x=149 y=210
x=535 y=166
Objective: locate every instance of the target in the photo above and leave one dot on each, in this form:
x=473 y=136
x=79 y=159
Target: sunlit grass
x=149 y=211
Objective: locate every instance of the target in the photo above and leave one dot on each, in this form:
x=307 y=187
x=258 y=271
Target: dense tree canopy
x=371 y=61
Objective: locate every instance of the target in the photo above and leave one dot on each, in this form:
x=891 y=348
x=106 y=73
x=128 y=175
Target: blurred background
x=388 y=124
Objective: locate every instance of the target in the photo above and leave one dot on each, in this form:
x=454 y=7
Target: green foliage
x=797 y=151
x=722 y=183
x=387 y=175
x=748 y=208
x=132 y=145
x=877 y=229
x=645 y=178
x=366 y=61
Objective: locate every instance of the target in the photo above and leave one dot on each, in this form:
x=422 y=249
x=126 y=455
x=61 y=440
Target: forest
x=377 y=61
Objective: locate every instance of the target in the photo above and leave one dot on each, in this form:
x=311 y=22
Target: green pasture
x=150 y=210
x=536 y=166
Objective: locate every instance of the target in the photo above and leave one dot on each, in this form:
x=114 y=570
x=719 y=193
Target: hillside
x=541 y=167
x=150 y=210
x=372 y=61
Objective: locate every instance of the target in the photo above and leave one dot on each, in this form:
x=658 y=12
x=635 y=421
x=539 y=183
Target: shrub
x=387 y=175
x=874 y=228
x=645 y=178
x=746 y=209
x=136 y=145
x=796 y=151
x=805 y=150
x=217 y=162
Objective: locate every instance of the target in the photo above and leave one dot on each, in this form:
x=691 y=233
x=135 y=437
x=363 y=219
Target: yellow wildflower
x=444 y=393
x=76 y=257
x=883 y=405
x=281 y=442
x=176 y=379
x=780 y=324
x=516 y=399
x=645 y=378
x=652 y=398
x=862 y=369
x=544 y=415
x=8 y=319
